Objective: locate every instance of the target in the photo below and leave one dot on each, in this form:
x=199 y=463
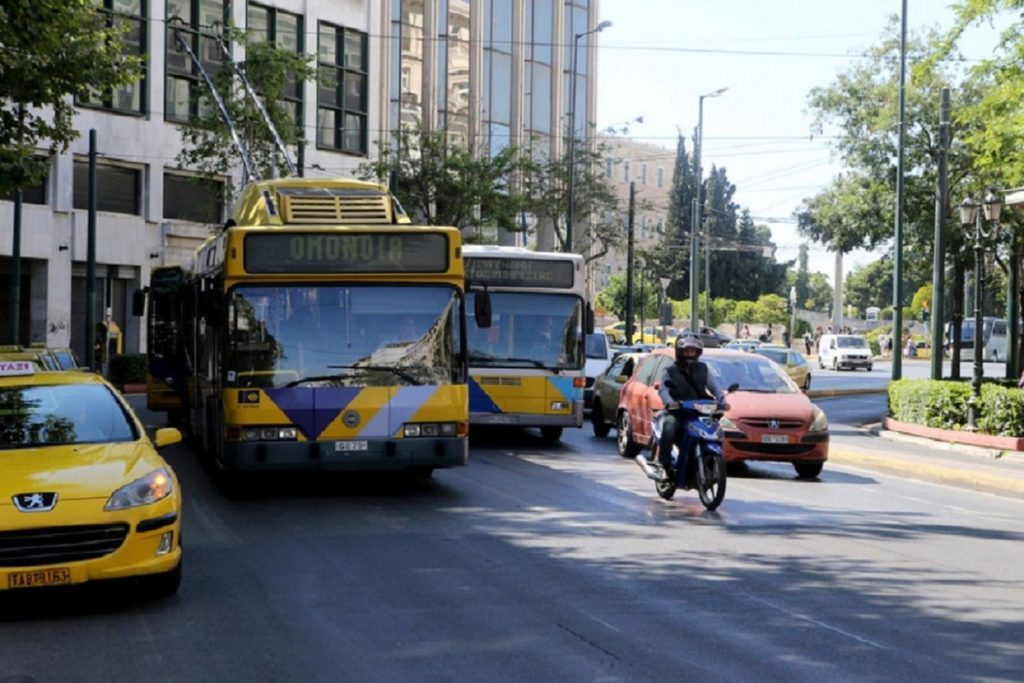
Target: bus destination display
x=319 y=252
x=513 y=272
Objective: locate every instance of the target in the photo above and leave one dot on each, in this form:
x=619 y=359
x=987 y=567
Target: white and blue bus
x=993 y=338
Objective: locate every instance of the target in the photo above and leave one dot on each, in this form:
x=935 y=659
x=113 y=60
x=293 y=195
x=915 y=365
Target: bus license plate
x=40 y=577
x=349 y=446
x=774 y=438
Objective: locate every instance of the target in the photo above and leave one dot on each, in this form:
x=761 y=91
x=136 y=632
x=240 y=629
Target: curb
x=929 y=472
x=832 y=393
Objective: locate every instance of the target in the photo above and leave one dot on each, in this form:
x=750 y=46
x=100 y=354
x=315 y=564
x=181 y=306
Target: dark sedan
x=606 y=391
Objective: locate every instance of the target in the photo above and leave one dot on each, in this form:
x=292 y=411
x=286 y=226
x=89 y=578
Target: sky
x=660 y=56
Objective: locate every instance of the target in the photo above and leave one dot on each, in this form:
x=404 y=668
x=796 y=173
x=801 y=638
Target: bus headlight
x=429 y=429
x=270 y=434
x=559 y=405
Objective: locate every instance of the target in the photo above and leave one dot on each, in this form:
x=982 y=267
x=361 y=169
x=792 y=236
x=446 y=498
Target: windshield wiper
x=411 y=379
x=532 y=361
x=758 y=391
x=314 y=378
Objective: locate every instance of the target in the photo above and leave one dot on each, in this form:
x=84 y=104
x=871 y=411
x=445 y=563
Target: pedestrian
x=785 y=337
x=769 y=333
x=807 y=342
x=746 y=331
x=1020 y=383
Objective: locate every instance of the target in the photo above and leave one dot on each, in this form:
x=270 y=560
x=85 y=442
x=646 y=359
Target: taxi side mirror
x=621 y=379
x=167 y=436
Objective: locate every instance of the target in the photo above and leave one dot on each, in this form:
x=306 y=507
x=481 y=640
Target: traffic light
x=789 y=308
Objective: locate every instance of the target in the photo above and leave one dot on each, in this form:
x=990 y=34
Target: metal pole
x=707 y=272
x=694 y=260
x=629 y=263
x=571 y=215
x=90 y=260
x=1013 y=309
x=939 y=255
x=897 y=280
x=641 y=264
x=972 y=403
x=16 y=271
x=693 y=269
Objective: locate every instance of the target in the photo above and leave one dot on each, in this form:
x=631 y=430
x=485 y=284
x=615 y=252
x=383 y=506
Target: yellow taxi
x=40 y=355
x=84 y=495
x=792 y=362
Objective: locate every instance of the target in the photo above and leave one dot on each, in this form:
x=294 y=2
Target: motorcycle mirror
x=733 y=387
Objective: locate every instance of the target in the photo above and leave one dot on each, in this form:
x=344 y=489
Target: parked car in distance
x=838 y=351
x=616 y=332
x=792 y=362
x=709 y=337
x=598 y=357
x=636 y=348
x=769 y=418
x=84 y=495
x=607 y=387
x=652 y=335
x=747 y=345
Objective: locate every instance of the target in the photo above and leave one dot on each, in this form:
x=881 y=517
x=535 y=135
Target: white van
x=839 y=351
x=599 y=357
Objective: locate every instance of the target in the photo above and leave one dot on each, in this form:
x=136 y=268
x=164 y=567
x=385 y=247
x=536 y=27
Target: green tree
x=771 y=308
x=869 y=285
x=441 y=182
x=613 y=297
x=54 y=52
x=671 y=257
x=207 y=144
x=819 y=296
x=802 y=281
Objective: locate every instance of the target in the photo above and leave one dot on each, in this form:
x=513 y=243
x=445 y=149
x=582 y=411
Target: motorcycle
x=700 y=464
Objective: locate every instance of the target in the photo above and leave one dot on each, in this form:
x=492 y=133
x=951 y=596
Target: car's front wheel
x=601 y=428
x=165 y=585
x=627 y=447
x=808 y=470
x=551 y=434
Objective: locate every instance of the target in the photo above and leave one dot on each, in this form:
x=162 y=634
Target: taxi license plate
x=349 y=446
x=40 y=577
x=774 y=438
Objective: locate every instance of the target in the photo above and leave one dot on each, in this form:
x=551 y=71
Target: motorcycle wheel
x=665 y=489
x=710 y=478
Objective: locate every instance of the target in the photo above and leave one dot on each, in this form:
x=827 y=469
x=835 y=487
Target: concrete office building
x=491 y=72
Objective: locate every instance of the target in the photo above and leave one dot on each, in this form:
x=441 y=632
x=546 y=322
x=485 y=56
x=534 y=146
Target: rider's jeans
x=670 y=426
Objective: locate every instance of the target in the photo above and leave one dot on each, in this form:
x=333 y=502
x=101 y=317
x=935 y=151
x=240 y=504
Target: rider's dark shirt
x=675 y=387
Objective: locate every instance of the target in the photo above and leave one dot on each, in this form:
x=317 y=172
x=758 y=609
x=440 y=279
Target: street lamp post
x=571 y=214
x=695 y=222
x=970 y=214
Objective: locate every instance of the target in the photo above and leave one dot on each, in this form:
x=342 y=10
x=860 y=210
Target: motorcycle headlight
x=820 y=422
x=146 y=490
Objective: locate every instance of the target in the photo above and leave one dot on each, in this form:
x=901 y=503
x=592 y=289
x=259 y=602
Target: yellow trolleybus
x=320 y=330
x=526 y=369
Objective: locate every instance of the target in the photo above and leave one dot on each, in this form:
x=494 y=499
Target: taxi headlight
x=820 y=422
x=146 y=490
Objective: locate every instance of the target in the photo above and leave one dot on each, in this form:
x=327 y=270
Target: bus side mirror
x=482 y=309
x=139 y=302
x=590 y=320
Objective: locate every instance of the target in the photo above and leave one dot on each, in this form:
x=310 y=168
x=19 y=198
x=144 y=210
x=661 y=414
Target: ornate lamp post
x=971 y=215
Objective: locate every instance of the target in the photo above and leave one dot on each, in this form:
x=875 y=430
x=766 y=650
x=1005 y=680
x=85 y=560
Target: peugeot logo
x=350 y=419
x=773 y=424
x=35 y=502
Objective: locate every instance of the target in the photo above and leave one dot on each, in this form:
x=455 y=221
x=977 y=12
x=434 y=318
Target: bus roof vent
x=304 y=205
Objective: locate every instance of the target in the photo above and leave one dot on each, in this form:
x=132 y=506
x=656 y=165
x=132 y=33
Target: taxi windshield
x=50 y=415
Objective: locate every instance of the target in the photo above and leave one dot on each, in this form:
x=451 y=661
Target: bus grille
x=355 y=209
x=59 y=544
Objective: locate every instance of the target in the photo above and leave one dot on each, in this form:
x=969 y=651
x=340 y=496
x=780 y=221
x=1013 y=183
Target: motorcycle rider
x=688 y=379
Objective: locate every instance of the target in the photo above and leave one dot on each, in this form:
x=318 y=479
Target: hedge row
x=943 y=404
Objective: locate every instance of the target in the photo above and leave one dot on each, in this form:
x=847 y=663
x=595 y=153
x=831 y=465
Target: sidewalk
x=958 y=465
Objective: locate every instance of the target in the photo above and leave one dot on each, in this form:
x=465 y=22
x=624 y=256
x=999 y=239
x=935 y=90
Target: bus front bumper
x=573 y=419
x=379 y=455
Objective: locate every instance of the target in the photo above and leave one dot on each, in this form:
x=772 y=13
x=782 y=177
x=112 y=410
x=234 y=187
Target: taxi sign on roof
x=13 y=368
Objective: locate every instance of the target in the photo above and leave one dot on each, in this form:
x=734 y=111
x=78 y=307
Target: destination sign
x=319 y=252
x=515 y=272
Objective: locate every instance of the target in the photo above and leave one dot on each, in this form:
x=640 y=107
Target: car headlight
x=146 y=490
x=820 y=422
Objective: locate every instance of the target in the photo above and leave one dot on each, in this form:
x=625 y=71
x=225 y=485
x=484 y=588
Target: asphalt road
x=539 y=563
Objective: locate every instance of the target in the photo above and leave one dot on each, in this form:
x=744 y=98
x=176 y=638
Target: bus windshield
x=529 y=330
x=344 y=335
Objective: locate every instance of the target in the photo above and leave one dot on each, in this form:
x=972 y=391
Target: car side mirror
x=168 y=436
x=589 y=326
x=139 y=302
x=482 y=312
x=733 y=387
x=621 y=379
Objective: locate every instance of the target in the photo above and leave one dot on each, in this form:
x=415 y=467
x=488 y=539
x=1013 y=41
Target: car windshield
x=344 y=336
x=597 y=346
x=777 y=355
x=528 y=330
x=751 y=373
x=50 y=415
x=851 y=342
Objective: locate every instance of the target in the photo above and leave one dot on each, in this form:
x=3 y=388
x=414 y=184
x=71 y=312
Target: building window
x=626 y=172
x=118 y=188
x=661 y=177
x=190 y=198
x=608 y=164
x=284 y=30
x=30 y=194
x=643 y=173
x=185 y=84
x=342 y=98
x=128 y=16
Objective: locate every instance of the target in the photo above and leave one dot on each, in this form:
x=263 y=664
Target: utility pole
x=90 y=261
x=897 y=280
x=16 y=270
x=629 y=263
x=939 y=256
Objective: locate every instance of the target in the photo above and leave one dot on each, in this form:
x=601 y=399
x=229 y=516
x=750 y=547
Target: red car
x=769 y=418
